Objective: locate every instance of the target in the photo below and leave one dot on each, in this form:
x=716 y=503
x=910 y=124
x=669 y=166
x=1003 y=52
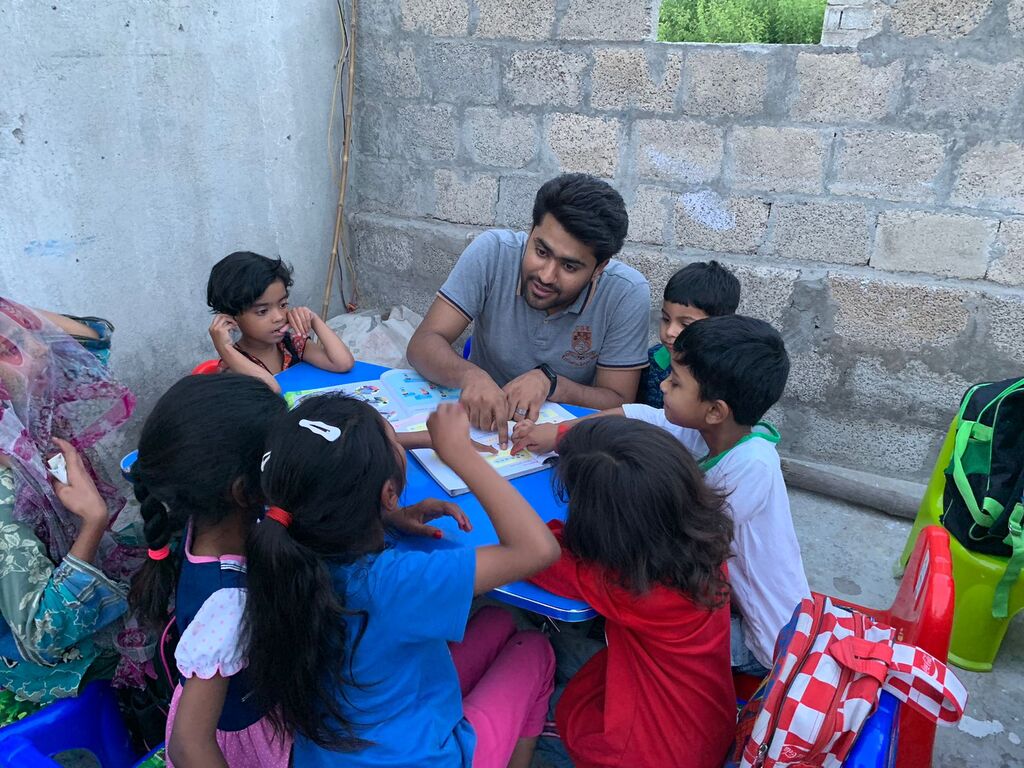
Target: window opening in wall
x=741 y=21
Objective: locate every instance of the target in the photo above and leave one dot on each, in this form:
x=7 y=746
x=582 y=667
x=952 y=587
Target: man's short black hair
x=237 y=280
x=590 y=210
x=705 y=285
x=738 y=359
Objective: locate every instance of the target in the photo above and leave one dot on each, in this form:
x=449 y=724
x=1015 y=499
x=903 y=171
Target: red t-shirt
x=661 y=693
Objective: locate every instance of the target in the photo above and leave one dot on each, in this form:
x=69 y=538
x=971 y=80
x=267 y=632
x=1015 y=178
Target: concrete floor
x=849 y=552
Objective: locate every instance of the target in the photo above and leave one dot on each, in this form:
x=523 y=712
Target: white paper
x=57 y=466
x=507 y=464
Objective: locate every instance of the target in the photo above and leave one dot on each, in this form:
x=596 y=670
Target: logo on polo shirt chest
x=582 y=342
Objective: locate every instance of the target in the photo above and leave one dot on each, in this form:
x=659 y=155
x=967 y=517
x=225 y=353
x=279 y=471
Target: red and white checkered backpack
x=830 y=667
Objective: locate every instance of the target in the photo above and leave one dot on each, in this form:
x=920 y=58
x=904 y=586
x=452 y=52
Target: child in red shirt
x=645 y=543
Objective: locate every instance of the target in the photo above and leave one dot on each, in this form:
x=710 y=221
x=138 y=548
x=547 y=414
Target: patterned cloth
x=50 y=386
x=60 y=614
x=292 y=348
x=54 y=616
x=13 y=709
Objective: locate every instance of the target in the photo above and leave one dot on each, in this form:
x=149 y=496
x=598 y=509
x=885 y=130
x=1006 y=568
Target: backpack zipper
x=762 y=751
x=845 y=676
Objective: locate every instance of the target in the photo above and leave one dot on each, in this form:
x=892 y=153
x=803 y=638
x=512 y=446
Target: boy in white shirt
x=726 y=373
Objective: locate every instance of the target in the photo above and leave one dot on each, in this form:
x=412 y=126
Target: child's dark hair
x=639 y=506
x=237 y=280
x=705 y=285
x=590 y=210
x=738 y=359
x=332 y=490
x=199 y=459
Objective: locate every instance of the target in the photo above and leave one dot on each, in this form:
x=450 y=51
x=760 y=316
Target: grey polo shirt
x=605 y=327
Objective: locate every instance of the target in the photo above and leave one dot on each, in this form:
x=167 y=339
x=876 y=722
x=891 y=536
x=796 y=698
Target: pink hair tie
x=160 y=554
x=278 y=514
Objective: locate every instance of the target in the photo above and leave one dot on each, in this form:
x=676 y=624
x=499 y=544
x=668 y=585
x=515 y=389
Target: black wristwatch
x=552 y=377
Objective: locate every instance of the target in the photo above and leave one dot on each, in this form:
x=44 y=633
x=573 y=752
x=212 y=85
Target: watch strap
x=552 y=377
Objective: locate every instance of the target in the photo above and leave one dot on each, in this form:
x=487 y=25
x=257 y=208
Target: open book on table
x=398 y=394
x=509 y=465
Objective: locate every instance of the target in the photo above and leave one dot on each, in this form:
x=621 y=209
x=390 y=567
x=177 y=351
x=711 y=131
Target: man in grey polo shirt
x=555 y=317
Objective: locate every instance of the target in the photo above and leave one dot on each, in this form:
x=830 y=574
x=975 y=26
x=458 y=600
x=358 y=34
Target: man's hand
x=486 y=405
x=220 y=331
x=539 y=438
x=79 y=494
x=300 y=321
x=526 y=394
x=413 y=520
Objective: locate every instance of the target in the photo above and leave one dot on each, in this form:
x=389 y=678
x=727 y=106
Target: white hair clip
x=263 y=463
x=328 y=432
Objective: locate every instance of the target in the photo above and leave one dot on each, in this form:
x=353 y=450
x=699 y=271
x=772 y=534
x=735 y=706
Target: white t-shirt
x=766 y=571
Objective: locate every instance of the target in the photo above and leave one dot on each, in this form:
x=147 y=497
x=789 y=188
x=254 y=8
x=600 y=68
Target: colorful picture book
x=397 y=395
x=509 y=465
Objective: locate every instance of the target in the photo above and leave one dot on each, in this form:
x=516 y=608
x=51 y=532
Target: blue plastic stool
x=876 y=745
x=90 y=721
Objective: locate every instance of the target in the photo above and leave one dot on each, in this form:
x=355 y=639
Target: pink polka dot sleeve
x=212 y=644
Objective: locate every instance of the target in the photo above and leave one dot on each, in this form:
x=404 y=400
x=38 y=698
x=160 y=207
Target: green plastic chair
x=977 y=634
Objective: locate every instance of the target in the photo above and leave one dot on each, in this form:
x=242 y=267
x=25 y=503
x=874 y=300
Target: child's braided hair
x=199 y=461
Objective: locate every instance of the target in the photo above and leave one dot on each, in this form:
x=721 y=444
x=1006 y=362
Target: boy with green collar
x=725 y=373
x=698 y=290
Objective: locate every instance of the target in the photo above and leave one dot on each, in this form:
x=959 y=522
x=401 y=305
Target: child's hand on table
x=413 y=519
x=538 y=438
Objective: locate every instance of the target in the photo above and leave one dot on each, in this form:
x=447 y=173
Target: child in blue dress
x=198 y=478
x=349 y=640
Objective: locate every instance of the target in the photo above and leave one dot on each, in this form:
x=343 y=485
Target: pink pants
x=507 y=677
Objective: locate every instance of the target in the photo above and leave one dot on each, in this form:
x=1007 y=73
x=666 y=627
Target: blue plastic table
x=536 y=488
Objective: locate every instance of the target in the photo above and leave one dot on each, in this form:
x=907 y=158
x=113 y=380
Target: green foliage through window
x=741 y=21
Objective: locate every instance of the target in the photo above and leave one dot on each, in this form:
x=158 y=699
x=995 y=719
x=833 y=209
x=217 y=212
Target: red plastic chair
x=207 y=366
x=923 y=614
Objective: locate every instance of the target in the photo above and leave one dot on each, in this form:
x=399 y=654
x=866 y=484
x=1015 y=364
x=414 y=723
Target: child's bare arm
x=541 y=438
x=330 y=352
x=220 y=332
x=66 y=324
x=193 y=740
x=525 y=545
x=413 y=440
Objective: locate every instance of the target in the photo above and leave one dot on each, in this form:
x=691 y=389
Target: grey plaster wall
x=141 y=142
x=868 y=192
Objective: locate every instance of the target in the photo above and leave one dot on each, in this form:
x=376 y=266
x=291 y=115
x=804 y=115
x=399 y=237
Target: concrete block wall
x=142 y=142
x=869 y=192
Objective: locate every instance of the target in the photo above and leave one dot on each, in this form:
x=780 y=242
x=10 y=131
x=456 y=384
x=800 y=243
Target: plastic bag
x=376 y=337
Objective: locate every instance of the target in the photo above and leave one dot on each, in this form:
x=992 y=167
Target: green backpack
x=982 y=504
